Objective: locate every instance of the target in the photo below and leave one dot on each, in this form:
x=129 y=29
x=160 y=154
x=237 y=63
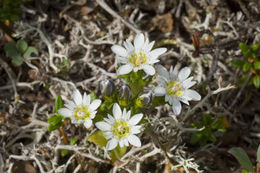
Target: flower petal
x=157 y=52
x=188 y=83
x=162 y=71
x=88 y=123
x=65 y=112
x=95 y=104
x=184 y=73
x=176 y=106
x=135 y=129
x=103 y=126
x=70 y=105
x=150 y=46
x=193 y=94
x=159 y=91
x=124 y=69
x=77 y=97
x=121 y=143
x=148 y=69
x=139 y=41
x=134 y=140
x=128 y=45
x=86 y=100
x=112 y=144
x=135 y=119
x=119 y=50
x=117 y=113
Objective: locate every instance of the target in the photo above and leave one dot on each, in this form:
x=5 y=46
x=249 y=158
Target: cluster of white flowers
x=121 y=128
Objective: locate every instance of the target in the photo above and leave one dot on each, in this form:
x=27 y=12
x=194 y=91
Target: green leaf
x=58 y=103
x=64 y=152
x=258 y=155
x=244 y=171
x=93 y=95
x=10 y=50
x=52 y=127
x=55 y=122
x=245 y=49
x=237 y=63
x=257 y=65
x=98 y=138
x=21 y=46
x=117 y=153
x=246 y=66
x=256 y=81
x=254 y=47
x=73 y=141
x=242 y=157
x=29 y=51
x=17 y=61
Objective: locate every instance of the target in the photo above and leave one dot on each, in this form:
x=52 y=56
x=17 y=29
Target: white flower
x=121 y=128
x=175 y=86
x=138 y=56
x=80 y=110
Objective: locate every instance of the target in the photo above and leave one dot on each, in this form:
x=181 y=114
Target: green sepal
x=98 y=138
x=117 y=153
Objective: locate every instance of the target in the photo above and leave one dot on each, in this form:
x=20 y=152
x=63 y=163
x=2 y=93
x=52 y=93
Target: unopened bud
x=144 y=99
x=107 y=87
x=125 y=93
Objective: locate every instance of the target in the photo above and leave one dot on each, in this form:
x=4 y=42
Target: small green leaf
x=237 y=63
x=258 y=155
x=64 y=152
x=257 y=65
x=256 y=81
x=245 y=49
x=246 y=66
x=21 y=46
x=55 y=122
x=73 y=141
x=254 y=47
x=10 y=50
x=98 y=138
x=52 y=127
x=29 y=51
x=242 y=158
x=58 y=103
x=117 y=153
x=93 y=95
x=244 y=171
x=17 y=61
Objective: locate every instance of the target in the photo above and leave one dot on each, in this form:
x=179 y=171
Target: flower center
x=81 y=113
x=138 y=59
x=121 y=129
x=173 y=88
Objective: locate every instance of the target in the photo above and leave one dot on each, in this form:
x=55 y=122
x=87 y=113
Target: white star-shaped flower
x=138 y=56
x=80 y=110
x=175 y=86
x=121 y=128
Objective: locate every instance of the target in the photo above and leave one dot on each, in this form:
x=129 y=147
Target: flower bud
x=124 y=93
x=107 y=87
x=144 y=99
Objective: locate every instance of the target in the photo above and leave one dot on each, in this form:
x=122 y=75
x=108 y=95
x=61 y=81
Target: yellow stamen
x=138 y=59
